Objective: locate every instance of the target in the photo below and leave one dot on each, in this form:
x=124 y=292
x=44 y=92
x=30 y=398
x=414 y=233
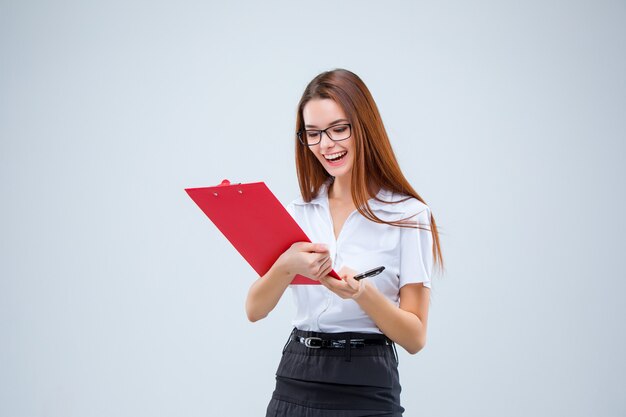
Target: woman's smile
x=335 y=159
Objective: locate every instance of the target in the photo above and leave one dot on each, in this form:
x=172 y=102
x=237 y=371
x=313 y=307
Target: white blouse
x=406 y=254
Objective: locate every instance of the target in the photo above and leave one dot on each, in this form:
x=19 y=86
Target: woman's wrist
x=281 y=271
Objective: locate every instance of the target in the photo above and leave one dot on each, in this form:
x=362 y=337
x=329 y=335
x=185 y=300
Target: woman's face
x=336 y=157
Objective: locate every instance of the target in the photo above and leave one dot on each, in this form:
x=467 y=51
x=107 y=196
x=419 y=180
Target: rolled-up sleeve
x=416 y=250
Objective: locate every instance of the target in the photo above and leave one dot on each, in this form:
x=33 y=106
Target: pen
x=370 y=273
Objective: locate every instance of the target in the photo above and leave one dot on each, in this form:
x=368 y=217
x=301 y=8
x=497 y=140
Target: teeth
x=335 y=155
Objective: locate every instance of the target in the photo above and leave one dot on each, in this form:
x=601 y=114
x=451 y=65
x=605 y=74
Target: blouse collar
x=383 y=194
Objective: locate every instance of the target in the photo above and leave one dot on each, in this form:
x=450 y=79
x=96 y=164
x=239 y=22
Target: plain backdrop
x=118 y=297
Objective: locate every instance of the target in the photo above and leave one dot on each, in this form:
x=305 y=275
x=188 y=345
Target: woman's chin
x=338 y=169
x=338 y=172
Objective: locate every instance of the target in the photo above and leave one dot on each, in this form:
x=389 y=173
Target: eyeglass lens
x=336 y=133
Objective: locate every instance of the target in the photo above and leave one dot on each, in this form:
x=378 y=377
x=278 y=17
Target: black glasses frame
x=321 y=131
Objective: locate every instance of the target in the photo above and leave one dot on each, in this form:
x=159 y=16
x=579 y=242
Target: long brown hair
x=375 y=164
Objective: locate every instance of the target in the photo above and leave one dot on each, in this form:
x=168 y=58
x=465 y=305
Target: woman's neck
x=340 y=189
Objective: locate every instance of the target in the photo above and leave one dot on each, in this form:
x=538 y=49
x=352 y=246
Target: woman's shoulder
x=299 y=205
x=319 y=199
x=300 y=202
x=390 y=201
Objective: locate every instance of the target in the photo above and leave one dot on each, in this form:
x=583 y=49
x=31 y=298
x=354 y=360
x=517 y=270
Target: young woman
x=358 y=207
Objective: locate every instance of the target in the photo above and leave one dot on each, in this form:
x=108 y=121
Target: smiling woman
x=340 y=358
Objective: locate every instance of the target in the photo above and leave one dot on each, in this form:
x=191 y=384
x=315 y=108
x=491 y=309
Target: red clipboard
x=254 y=221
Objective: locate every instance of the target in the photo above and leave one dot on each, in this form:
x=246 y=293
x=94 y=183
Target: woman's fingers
x=322 y=261
x=352 y=283
x=339 y=287
x=345 y=272
x=323 y=266
x=344 y=288
x=329 y=268
x=310 y=247
x=307 y=258
x=314 y=265
x=332 y=284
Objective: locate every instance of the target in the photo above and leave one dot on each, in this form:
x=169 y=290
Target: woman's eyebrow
x=330 y=124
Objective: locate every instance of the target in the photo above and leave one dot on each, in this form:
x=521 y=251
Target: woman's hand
x=347 y=287
x=311 y=260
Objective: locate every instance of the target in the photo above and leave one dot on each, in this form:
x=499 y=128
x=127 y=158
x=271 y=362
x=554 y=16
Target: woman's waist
x=339 y=335
x=336 y=323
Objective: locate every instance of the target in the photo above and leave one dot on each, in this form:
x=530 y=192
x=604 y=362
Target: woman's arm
x=406 y=325
x=311 y=260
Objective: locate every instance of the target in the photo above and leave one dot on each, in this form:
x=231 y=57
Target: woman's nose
x=326 y=141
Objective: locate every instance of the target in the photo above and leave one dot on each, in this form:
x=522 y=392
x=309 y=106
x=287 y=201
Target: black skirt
x=353 y=381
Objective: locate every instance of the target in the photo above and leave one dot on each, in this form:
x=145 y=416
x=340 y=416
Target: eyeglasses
x=334 y=133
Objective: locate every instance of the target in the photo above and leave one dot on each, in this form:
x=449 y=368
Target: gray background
x=118 y=297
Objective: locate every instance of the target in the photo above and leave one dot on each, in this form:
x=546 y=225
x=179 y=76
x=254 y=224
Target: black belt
x=314 y=342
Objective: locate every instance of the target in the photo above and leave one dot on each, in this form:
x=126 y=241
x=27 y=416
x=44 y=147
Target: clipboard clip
x=226 y=183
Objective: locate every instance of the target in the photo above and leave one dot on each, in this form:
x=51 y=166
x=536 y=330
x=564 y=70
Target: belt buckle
x=308 y=342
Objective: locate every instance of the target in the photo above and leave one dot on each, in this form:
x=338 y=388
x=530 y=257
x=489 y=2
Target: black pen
x=370 y=273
